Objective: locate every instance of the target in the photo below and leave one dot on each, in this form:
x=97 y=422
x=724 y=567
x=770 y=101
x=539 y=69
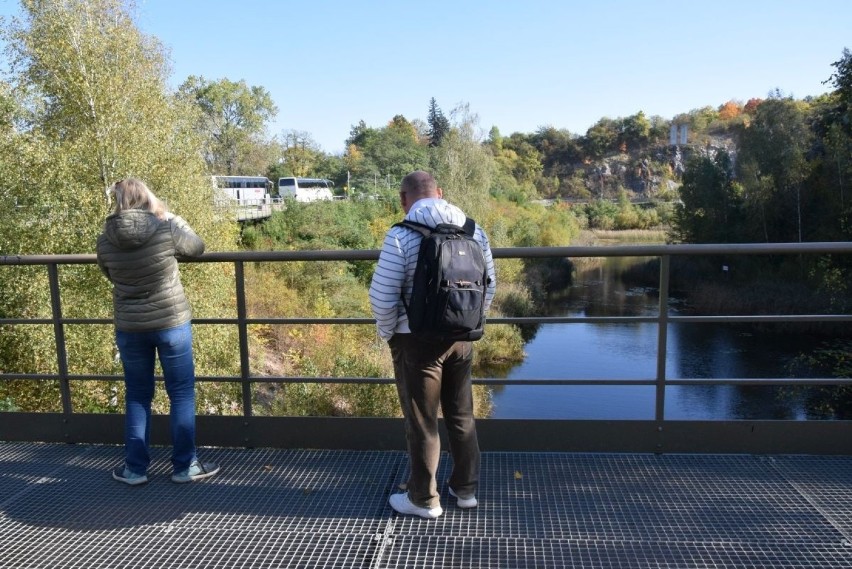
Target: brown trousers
x=430 y=375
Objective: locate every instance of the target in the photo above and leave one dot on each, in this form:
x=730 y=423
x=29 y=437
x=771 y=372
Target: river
x=628 y=351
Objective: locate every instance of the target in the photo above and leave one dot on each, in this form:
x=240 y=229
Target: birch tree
x=232 y=121
x=89 y=106
x=462 y=166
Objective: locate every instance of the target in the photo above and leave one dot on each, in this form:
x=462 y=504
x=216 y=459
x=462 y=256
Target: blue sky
x=519 y=65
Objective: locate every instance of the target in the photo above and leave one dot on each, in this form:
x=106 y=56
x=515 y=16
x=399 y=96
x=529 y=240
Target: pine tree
x=439 y=125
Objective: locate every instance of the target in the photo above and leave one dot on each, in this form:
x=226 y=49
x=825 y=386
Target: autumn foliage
x=730 y=110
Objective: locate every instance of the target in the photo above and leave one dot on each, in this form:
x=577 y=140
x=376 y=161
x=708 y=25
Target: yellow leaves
x=322 y=306
x=518 y=475
x=353 y=158
x=379 y=226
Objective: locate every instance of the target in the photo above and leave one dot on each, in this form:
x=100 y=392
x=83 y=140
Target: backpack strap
x=421 y=228
x=469 y=226
x=424 y=230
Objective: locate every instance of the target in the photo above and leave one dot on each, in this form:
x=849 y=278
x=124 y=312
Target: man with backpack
x=434 y=280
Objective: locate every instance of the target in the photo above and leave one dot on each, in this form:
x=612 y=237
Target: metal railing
x=657 y=435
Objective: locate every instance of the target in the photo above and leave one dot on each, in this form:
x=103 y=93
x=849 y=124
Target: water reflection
x=628 y=352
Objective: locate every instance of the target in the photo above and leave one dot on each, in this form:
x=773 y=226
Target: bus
x=245 y=190
x=305 y=189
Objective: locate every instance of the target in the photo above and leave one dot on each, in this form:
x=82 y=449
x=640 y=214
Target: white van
x=305 y=189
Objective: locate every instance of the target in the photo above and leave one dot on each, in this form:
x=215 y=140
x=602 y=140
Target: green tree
x=401 y=126
x=602 y=138
x=358 y=134
x=841 y=79
x=839 y=156
x=385 y=154
x=495 y=139
x=636 y=132
x=97 y=109
x=710 y=209
x=837 y=140
x=8 y=110
x=659 y=133
x=773 y=167
x=439 y=125
x=300 y=154
x=333 y=167
x=560 y=151
x=232 y=120
x=699 y=119
x=464 y=167
x=521 y=159
x=830 y=171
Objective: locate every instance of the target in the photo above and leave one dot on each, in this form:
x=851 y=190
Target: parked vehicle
x=245 y=190
x=305 y=189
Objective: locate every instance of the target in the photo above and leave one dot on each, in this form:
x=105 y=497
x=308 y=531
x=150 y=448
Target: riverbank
x=585 y=349
x=595 y=237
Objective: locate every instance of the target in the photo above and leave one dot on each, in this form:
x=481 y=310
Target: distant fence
x=249 y=209
x=656 y=435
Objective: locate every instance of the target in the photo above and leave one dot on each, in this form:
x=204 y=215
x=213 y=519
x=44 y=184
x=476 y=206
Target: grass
x=592 y=237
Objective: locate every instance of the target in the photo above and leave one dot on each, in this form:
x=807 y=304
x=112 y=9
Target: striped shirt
x=398 y=258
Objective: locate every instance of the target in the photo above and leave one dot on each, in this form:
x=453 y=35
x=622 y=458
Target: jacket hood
x=131 y=229
x=433 y=211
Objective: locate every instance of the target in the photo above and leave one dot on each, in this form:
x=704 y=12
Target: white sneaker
x=403 y=505
x=464 y=503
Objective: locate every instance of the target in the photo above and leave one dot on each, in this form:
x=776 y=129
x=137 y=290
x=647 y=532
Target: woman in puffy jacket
x=138 y=252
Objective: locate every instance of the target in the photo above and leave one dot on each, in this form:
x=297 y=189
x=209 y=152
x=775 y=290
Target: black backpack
x=448 y=298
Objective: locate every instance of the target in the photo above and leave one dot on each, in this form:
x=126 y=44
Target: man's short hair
x=419 y=183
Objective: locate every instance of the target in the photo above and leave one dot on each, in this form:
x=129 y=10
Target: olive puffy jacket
x=138 y=252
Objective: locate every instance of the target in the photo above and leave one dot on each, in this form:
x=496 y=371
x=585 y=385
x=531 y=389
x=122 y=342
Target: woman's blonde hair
x=132 y=193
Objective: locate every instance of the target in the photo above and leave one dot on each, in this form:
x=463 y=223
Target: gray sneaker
x=123 y=474
x=196 y=471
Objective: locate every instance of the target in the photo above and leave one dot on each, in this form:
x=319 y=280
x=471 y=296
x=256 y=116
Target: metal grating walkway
x=59 y=508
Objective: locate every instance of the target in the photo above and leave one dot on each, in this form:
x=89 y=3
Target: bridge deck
x=303 y=508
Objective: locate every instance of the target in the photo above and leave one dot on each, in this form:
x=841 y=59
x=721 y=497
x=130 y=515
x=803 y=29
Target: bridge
x=312 y=491
x=249 y=210
x=254 y=210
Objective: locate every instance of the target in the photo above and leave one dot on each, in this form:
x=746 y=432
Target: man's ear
x=440 y=193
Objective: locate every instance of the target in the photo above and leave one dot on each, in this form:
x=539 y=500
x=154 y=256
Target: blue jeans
x=138 y=350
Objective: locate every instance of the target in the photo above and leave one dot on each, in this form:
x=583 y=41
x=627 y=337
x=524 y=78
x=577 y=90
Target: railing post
x=662 y=338
x=59 y=336
x=243 y=332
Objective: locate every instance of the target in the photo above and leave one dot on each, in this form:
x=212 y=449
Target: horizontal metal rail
x=792 y=437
